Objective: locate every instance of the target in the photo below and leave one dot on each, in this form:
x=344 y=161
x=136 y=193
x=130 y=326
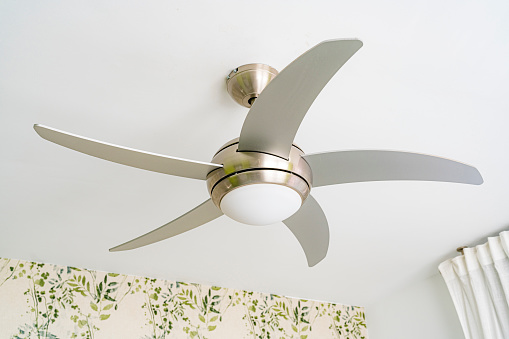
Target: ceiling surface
x=432 y=77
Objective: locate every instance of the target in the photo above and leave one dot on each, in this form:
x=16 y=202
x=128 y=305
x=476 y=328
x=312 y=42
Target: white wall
x=421 y=311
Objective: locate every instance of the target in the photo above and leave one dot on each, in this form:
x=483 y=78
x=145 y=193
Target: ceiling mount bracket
x=245 y=83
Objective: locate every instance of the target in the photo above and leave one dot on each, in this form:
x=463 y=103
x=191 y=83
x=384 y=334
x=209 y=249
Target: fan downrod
x=245 y=83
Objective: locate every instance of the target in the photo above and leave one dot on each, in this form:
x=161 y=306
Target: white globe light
x=261 y=204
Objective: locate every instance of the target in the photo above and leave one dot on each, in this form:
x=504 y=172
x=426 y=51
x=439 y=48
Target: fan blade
x=341 y=167
x=198 y=216
x=275 y=117
x=310 y=227
x=128 y=156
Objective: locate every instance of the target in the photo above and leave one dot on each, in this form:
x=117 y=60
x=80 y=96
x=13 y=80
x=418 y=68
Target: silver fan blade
x=198 y=216
x=128 y=156
x=275 y=117
x=310 y=227
x=341 y=167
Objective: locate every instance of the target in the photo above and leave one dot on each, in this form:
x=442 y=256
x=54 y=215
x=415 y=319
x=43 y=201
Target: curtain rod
x=481 y=241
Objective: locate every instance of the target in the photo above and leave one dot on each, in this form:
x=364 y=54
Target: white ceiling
x=432 y=77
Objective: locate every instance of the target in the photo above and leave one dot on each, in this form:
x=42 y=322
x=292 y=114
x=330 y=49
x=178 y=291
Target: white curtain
x=479 y=285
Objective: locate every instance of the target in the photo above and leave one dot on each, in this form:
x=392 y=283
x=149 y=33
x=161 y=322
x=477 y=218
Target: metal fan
x=262 y=177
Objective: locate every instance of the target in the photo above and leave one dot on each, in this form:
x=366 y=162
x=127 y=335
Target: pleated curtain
x=478 y=282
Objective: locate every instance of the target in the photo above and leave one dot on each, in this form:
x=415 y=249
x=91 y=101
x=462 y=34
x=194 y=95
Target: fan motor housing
x=249 y=168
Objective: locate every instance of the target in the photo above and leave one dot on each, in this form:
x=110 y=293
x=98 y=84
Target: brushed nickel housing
x=245 y=83
x=248 y=168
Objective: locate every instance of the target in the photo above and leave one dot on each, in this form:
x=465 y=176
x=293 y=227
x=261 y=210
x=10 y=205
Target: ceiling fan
x=261 y=177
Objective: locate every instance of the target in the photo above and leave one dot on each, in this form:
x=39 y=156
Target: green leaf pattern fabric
x=49 y=301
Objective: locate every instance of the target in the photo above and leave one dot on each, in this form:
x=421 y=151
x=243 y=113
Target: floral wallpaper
x=48 y=301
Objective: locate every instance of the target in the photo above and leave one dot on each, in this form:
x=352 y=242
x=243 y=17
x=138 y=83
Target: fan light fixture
x=261 y=204
x=256 y=188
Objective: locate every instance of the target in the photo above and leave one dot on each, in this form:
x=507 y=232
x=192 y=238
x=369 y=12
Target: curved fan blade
x=128 y=156
x=341 y=167
x=275 y=117
x=310 y=227
x=198 y=216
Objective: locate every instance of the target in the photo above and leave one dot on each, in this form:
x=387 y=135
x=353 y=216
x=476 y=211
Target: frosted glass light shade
x=261 y=204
